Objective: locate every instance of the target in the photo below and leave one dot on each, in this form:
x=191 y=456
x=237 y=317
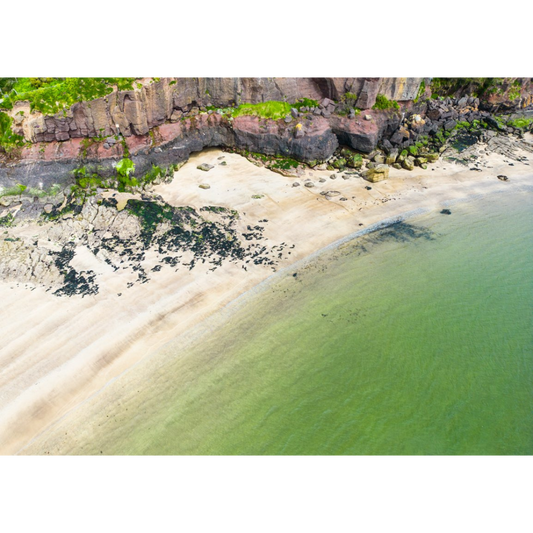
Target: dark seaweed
x=74 y=282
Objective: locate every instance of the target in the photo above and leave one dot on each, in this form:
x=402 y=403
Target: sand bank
x=58 y=352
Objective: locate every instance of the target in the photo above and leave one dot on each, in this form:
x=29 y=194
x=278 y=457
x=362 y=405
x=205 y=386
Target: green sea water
x=414 y=339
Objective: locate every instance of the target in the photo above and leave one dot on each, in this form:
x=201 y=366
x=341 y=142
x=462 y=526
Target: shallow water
x=416 y=339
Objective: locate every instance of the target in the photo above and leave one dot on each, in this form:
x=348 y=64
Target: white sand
x=57 y=352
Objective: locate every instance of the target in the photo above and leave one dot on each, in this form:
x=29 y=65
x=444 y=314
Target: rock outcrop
x=162 y=122
x=138 y=111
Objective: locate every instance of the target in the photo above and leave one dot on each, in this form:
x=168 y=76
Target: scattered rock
x=205 y=167
x=409 y=163
x=503 y=178
x=445 y=212
x=391 y=158
x=309 y=184
x=378 y=173
x=296 y=184
x=330 y=194
x=204 y=186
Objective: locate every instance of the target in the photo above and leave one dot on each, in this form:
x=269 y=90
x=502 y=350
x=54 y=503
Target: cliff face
x=162 y=122
x=222 y=89
x=153 y=103
x=137 y=112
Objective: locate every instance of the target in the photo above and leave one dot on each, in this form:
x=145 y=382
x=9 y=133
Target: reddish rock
x=363 y=135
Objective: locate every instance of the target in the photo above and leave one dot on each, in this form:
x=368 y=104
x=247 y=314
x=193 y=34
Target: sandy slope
x=57 y=352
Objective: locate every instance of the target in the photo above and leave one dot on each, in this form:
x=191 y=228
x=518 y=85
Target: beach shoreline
x=40 y=389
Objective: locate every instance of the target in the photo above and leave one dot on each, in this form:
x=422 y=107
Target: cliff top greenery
x=51 y=95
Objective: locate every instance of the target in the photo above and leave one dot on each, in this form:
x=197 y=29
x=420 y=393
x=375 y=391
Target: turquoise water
x=415 y=339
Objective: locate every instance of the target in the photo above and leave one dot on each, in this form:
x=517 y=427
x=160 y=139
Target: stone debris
x=205 y=167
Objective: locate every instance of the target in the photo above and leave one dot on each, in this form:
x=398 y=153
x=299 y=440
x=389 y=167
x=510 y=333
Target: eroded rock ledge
x=306 y=138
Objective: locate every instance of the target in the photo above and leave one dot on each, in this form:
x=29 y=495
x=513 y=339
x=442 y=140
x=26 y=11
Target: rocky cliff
x=137 y=112
x=161 y=122
x=154 y=103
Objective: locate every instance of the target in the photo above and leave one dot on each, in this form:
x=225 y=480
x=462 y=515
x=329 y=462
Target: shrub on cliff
x=382 y=102
x=8 y=139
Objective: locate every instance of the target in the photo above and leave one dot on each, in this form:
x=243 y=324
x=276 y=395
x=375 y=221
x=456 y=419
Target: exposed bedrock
x=137 y=111
x=172 y=143
x=364 y=132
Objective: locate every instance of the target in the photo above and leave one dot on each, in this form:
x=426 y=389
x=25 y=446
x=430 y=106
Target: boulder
x=330 y=194
x=391 y=158
x=409 y=163
x=450 y=124
x=378 y=173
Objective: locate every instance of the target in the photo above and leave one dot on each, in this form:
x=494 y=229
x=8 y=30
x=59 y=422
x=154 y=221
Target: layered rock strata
x=138 y=111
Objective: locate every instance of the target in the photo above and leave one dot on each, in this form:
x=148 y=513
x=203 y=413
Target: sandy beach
x=57 y=353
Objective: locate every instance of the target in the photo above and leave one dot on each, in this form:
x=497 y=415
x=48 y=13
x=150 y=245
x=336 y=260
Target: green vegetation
x=273 y=109
x=51 y=95
x=6 y=221
x=150 y=214
x=520 y=122
x=124 y=168
x=421 y=91
x=383 y=103
x=88 y=179
x=305 y=102
x=515 y=90
x=8 y=139
x=32 y=191
x=475 y=86
x=284 y=163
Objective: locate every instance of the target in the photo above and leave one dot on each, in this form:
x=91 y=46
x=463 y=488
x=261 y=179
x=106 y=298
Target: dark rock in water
x=503 y=178
x=445 y=212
